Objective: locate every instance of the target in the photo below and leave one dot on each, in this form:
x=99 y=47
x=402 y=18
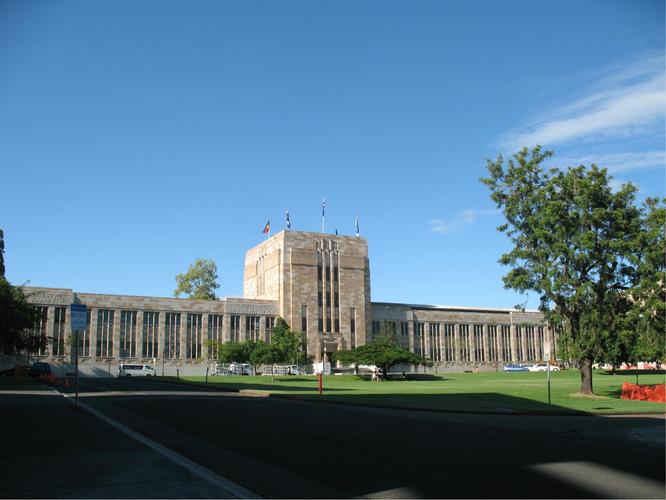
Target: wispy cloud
x=626 y=100
x=460 y=221
x=618 y=162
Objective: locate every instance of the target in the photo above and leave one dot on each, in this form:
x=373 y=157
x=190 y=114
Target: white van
x=241 y=369
x=136 y=371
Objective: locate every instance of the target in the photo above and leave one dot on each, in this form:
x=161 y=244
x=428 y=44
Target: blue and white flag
x=323 y=207
x=357 y=231
x=288 y=221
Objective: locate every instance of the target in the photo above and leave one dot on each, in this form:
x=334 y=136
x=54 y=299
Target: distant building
x=319 y=283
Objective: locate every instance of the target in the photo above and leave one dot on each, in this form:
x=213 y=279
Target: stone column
x=204 y=335
x=514 y=344
x=116 y=336
x=524 y=342
x=486 y=350
x=410 y=334
x=471 y=335
x=456 y=343
x=262 y=328
x=68 y=335
x=242 y=335
x=161 y=341
x=226 y=328
x=139 y=335
x=93 y=332
x=183 y=336
x=426 y=341
x=50 y=317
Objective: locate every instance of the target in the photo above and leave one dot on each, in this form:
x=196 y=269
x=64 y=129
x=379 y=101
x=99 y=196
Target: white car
x=543 y=367
x=136 y=371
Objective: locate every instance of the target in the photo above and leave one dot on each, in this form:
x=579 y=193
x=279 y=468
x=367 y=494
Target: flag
x=267 y=228
x=336 y=231
x=357 y=231
x=323 y=207
x=288 y=221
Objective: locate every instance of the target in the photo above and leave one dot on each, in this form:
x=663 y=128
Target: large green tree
x=2 y=254
x=290 y=345
x=380 y=351
x=645 y=328
x=199 y=282
x=17 y=318
x=573 y=242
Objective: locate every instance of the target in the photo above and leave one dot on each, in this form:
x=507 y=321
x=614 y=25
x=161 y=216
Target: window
x=449 y=342
x=39 y=329
x=84 y=337
x=304 y=318
x=419 y=338
x=375 y=328
x=105 y=333
x=151 y=321
x=59 y=331
x=172 y=336
x=539 y=342
x=464 y=343
x=519 y=343
x=128 y=334
x=529 y=340
x=234 y=334
x=435 y=351
x=215 y=337
x=492 y=342
x=505 y=342
x=270 y=324
x=252 y=328
x=193 y=336
x=479 y=354
x=352 y=326
x=404 y=329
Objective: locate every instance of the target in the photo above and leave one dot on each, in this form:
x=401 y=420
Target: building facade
x=319 y=283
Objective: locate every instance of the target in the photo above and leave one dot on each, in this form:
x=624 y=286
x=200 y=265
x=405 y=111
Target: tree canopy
x=380 y=351
x=17 y=319
x=290 y=345
x=577 y=244
x=199 y=282
x=285 y=347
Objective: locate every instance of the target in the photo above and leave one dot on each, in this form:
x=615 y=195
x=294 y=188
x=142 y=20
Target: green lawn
x=494 y=392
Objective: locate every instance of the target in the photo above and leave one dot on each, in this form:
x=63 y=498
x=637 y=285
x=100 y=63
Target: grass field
x=470 y=392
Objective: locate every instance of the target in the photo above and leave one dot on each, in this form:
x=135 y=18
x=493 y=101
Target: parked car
x=136 y=371
x=293 y=370
x=515 y=368
x=543 y=367
x=40 y=369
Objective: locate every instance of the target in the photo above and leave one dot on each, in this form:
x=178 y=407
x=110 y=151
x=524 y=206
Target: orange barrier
x=655 y=393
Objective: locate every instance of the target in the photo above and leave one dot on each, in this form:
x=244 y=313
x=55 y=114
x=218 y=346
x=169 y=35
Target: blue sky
x=138 y=136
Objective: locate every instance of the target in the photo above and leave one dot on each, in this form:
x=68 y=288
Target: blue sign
x=79 y=318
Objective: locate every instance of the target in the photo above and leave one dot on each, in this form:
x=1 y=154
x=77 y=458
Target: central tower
x=321 y=283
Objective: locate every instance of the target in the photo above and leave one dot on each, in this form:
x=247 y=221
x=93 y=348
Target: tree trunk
x=586 y=376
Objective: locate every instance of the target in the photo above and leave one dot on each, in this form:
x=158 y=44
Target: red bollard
x=321 y=384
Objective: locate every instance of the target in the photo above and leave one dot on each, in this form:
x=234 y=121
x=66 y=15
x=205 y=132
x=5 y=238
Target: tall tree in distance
x=199 y=282
x=2 y=254
x=573 y=241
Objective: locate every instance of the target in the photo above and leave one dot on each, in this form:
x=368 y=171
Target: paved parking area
x=282 y=448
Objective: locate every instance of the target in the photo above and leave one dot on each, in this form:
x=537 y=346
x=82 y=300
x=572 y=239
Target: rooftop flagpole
x=323 y=213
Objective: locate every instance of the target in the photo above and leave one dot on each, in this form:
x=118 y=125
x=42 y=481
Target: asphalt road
x=285 y=448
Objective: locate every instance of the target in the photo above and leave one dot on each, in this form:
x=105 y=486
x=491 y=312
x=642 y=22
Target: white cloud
x=617 y=162
x=460 y=221
x=625 y=101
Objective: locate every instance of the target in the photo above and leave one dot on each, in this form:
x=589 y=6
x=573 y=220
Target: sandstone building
x=319 y=283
